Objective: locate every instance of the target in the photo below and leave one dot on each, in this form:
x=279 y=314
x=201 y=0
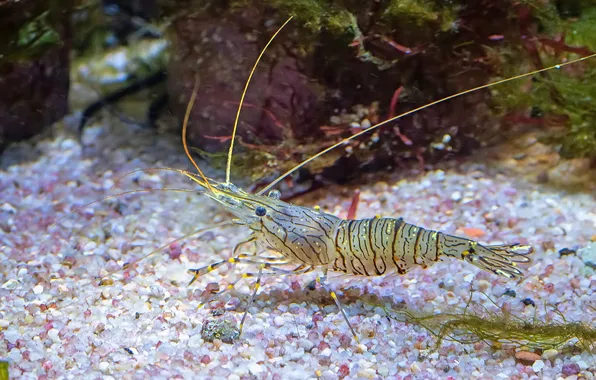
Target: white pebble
x=306 y=344
x=11 y=335
x=68 y=144
x=195 y=341
x=103 y=366
x=53 y=335
x=383 y=371
x=582 y=365
x=4 y=323
x=255 y=368
x=38 y=289
x=278 y=321
x=157 y=291
x=108 y=184
x=456 y=196
x=538 y=365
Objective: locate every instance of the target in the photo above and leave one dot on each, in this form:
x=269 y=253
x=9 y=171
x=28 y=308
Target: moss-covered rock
x=343 y=65
x=34 y=64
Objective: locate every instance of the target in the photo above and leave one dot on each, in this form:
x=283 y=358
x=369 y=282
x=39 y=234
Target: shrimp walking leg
x=300 y=269
x=240 y=259
x=252 y=297
x=321 y=281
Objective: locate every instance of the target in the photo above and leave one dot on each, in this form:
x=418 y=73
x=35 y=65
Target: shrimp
x=308 y=239
x=313 y=239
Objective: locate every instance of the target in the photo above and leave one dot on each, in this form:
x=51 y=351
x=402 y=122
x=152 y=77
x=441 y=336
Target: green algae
x=563 y=98
x=4 y=370
x=29 y=33
x=316 y=15
x=499 y=327
x=251 y=164
x=37 y=33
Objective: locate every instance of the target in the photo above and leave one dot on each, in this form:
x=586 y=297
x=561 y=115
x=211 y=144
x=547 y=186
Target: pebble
x=550 y=354
x=38 y=289
x=383 y=371
x=53 y=335
x=11 y=335
x=10 y=284
x=570 y=369
x=8 y=208
x=538 y=365
x=255 y=369
x=582 y=365
x=367 y=373
x=527 y=356
x=278 y=321
x=388 y=349
x=306 y=344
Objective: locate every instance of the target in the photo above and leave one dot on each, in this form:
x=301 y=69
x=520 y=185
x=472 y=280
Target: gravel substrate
x=57 y=320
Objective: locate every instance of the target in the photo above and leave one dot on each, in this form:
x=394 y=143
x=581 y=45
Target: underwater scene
x=298 y=189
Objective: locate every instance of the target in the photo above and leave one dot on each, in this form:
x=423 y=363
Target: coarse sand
x=62 y=317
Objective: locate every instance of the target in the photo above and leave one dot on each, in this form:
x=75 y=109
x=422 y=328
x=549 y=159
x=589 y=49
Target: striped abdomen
x=378 y=246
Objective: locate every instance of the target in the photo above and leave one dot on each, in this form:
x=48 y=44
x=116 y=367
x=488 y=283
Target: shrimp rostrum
x=306 y=239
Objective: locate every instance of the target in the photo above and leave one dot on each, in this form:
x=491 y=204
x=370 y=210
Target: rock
x=312 y=87
x=34 y=65
x=538 y=365
x=527 y=357
x=570 y=369
x=550 y=354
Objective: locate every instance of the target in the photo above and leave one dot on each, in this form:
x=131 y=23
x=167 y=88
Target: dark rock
x=528 y=302
x=566 y=252
x=308 y=74
x=35 y=39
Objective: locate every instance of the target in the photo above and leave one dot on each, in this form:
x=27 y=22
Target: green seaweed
x=566 y=96
x=30 y=32
x=580 y=91
x=316 y=15
x=37 y=33
x=339 y=17
x=496 y=328
x=546 y=13
x=3 y=370
x=413 y=10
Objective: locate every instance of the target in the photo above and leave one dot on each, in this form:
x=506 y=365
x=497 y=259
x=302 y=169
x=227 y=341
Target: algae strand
x=498 y=327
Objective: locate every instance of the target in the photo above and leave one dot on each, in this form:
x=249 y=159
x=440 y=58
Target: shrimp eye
x=260 y=211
